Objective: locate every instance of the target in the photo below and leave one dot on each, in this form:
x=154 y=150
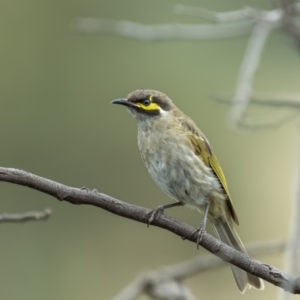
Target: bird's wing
x=202 y=148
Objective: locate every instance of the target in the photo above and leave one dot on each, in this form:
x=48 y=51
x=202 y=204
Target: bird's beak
x=123 y=101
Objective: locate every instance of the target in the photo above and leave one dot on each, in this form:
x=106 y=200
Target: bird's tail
x=229 y=236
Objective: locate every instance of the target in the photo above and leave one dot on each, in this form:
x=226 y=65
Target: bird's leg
x=153 y=214
x=201 y=230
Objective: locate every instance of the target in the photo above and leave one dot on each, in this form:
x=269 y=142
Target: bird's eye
x=146 y=102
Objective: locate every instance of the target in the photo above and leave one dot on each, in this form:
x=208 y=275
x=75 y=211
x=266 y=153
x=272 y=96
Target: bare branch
x=206 y=262
x=247 y=70
x=272 y=16
x=161 y=32
x=167 y=283
x=26 y=216
x=196 y=11
x=168 y=289
x=292 y=260
x=277 y=101
x=137 y=213
x=266 y=22
x=262 y=22
x=157 y=286
x=270 y=100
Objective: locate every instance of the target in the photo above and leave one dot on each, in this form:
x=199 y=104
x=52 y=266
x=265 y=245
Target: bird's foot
x=84 y=188
x=153 y=214
x=201 y=231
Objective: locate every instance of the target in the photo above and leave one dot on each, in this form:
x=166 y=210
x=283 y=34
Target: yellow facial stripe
x=152 y=106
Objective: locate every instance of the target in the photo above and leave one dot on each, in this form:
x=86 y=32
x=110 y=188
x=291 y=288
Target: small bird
x=180 y=160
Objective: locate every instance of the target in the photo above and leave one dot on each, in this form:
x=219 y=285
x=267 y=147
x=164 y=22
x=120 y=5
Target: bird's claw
x=201 y=231
x=84 y=188
x=153 y=215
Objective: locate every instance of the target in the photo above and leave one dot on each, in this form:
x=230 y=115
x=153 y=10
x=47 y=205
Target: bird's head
x=146 y=105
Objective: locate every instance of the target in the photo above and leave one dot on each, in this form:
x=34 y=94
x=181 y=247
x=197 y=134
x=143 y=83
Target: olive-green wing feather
x=215 y=165
x=203 y=149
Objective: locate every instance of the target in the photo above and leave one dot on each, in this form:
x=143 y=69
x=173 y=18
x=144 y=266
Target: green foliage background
x=56 y=121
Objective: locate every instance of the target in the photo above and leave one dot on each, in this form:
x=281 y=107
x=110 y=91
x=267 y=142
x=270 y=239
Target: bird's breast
x=176 y=169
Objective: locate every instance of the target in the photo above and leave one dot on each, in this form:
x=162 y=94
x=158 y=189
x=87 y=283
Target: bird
x=181 y=161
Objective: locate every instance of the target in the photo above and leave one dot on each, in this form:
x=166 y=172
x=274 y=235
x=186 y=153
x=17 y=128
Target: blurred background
x=56 y=122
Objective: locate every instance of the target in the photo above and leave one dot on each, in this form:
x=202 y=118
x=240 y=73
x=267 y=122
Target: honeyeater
x=180 y=160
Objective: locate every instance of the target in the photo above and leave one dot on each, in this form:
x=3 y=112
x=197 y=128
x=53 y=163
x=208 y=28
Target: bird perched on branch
x=181 y=161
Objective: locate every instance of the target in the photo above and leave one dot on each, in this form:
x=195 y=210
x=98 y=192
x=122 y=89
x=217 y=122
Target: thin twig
x=26 y=216
x=291 y=102
x=137 y=213
x=292 y=260
x=161 y=32
x=270 y=100
x=247 y=70
x=200 y=12
x=234 y=23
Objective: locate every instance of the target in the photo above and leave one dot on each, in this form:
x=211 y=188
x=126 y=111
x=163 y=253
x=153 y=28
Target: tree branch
x=26 y=216
x=167 y=282
x=206 y=262
x=289 y=101
x=200 y=12
x=137 y=213
x=162 y=32
x=292 y=251
x=247 y=71
x=157 y=286
x=231 y=24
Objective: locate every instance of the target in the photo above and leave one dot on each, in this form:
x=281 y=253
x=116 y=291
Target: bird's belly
x=183 y=176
